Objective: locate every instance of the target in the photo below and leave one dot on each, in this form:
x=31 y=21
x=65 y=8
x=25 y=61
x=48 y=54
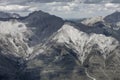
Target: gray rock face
x=41 y=46
x=43 y=25
x=113 y=18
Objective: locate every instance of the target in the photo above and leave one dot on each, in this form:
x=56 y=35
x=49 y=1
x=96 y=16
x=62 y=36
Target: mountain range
x=42 y=46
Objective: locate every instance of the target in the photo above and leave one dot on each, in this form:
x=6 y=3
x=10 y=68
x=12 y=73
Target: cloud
x=111 y=5
x=62 y=6
x=28 y=1
x=31 y=9
x=54 y=3
x=13 y=8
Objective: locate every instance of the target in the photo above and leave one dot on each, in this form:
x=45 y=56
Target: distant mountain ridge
x=8 y=15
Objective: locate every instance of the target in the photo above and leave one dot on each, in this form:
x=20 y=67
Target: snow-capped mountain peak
x=84 y=43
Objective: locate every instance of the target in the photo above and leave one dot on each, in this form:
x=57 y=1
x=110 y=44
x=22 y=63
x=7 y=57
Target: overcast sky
x=62 y=8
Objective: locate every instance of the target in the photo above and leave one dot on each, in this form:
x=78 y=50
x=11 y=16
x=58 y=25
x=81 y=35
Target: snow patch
x=93 y=20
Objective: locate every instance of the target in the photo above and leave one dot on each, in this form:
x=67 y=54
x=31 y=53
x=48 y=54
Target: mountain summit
x=42 y=24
